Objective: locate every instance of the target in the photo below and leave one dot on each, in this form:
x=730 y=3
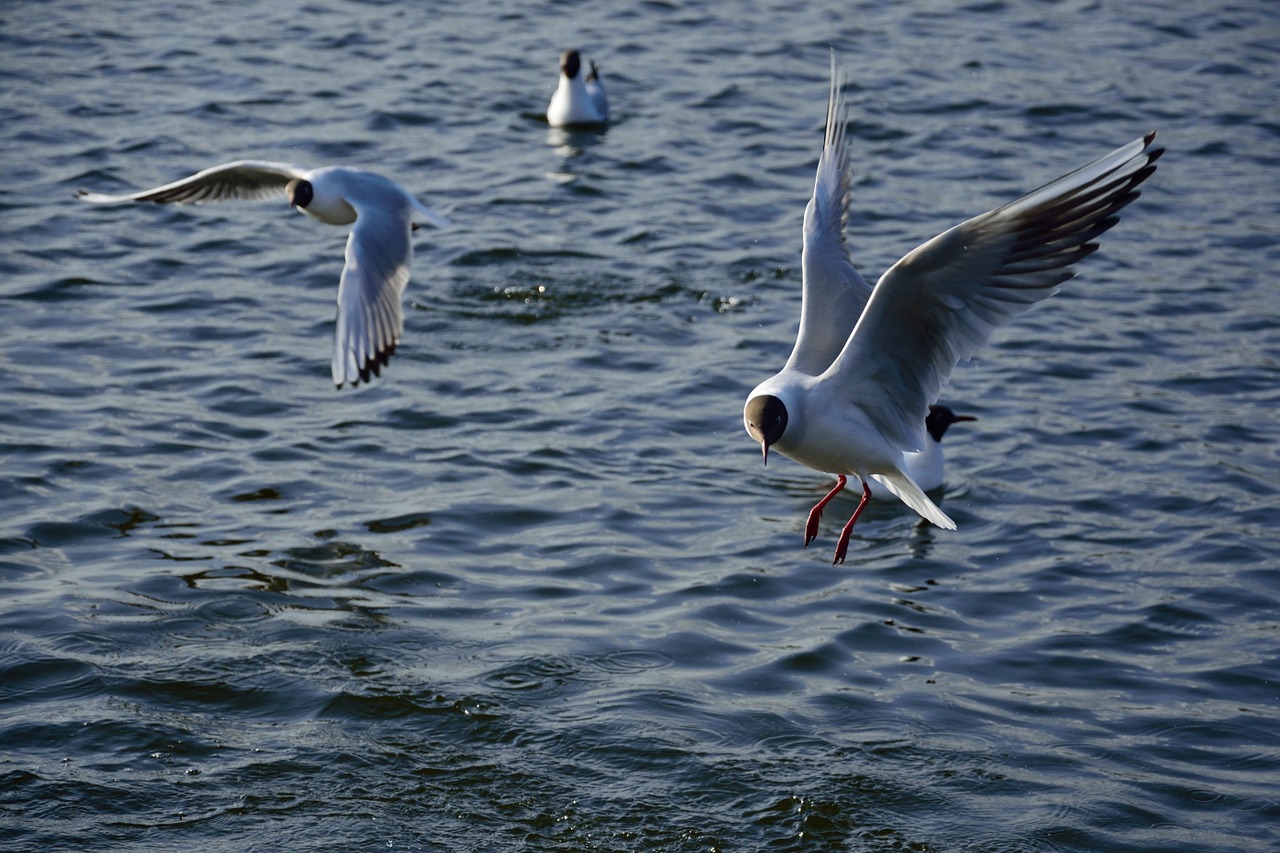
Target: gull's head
x=765 y=417
x=570 y=63
x=940 y=418
x=299 y=192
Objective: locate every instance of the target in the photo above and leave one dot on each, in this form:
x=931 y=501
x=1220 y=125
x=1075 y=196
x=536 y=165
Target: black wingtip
x=372 y=368
x=1153 y=154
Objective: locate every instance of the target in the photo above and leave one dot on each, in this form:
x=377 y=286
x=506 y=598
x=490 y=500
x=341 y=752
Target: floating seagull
x=370 y=318
x=926 y=466
x=579 y=101
x=867 y=363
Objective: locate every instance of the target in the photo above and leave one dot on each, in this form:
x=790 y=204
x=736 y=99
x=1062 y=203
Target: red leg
x=811 y=526
x=842 y=545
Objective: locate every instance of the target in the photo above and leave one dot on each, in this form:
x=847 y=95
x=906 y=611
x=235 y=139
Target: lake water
x=533 y=590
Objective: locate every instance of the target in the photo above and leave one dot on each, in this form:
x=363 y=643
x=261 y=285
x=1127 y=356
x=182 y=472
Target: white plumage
x=868 y=362
x=579 y=99
x=370 y=318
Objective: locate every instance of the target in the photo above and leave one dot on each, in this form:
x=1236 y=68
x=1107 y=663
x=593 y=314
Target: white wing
x=370 y=319
x=595 y=88
x=941 y=302
x=833 y=292
x=243 y=179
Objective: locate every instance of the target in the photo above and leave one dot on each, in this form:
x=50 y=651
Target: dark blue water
x=533 y=589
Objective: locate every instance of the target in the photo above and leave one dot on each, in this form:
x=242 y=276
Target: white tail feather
x=910 y=494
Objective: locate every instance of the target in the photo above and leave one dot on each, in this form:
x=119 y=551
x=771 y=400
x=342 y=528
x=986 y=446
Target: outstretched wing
x=834 y=294
x=243 y=179
x=370 y=318
x=941 y=302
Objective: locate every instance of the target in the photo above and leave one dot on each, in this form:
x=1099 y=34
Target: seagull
x=926 y=466
x=370 y=317
x=867 y=362
x=579 y=101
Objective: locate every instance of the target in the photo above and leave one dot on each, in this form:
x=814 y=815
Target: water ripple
x=533 y=588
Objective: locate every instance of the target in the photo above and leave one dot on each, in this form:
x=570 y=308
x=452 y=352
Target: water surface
x=533 y=589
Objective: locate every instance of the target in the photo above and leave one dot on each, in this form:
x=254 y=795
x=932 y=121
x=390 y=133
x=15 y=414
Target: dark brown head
x=299 y=192
x=766 y=420
x=570 y=63
x=940 y=417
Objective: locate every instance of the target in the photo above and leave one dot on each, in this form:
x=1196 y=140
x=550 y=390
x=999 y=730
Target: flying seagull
x=868 y=362
x=370 y=317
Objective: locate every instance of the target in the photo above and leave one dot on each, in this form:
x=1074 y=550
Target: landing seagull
x=852 y=398
x=579 y=99
x=370 y=318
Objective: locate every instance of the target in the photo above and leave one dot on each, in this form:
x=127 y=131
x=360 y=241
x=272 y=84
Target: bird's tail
x=910 y=494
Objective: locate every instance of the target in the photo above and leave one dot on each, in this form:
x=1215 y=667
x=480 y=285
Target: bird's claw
x=842 y=544
x=815 y=514
x=811 y=526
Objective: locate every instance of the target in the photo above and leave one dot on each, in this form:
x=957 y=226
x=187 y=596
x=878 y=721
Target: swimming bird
x=852 y=397
x=379 y=250
x=927 y=465
x=579 y=100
